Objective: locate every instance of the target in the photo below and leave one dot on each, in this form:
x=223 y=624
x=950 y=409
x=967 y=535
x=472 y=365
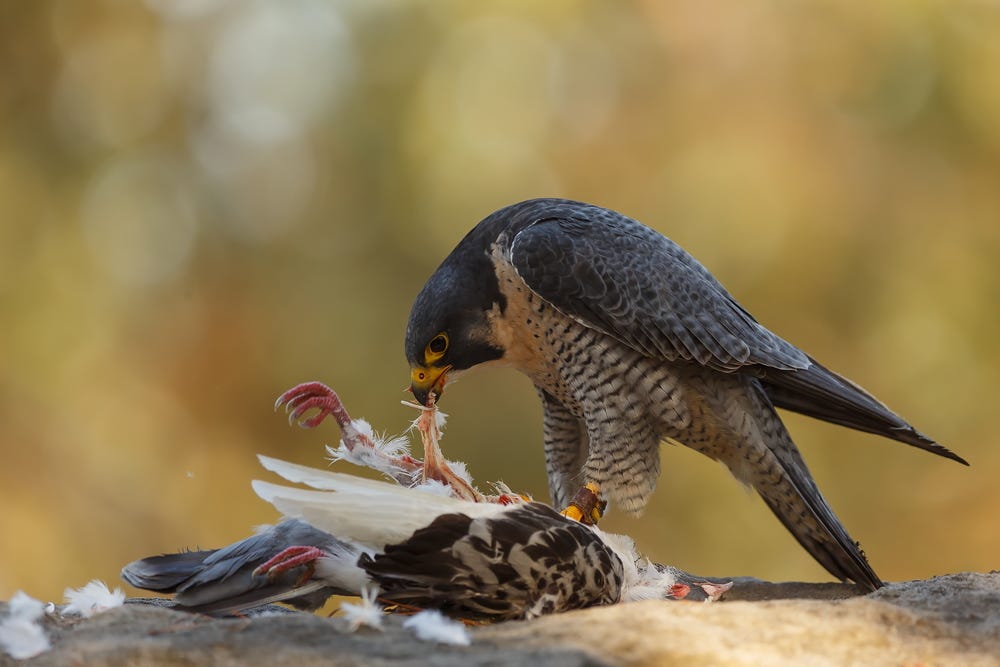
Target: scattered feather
x=433 y=626
x=367 y=612
x=24 y=606
x=23 y=639
x=21 y=635
x=93 y=598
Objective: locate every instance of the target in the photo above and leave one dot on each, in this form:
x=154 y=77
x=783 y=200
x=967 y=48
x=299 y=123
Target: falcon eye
x=439 y=344
x=436 y=348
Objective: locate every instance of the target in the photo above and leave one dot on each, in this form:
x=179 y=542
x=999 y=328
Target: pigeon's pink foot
x=302 y=398
x=289 y=559
x=715 y=591
x=679 y=591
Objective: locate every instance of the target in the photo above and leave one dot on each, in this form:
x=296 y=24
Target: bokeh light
x=203 y=202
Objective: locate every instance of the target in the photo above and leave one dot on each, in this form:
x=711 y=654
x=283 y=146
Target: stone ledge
x=953 y=619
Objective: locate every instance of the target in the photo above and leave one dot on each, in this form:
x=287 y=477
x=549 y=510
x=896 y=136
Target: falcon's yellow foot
x=587 y=505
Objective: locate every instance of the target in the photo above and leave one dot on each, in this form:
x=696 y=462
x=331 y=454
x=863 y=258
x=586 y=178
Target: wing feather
x=634 y=284
x=352 y=508
x=630 y=282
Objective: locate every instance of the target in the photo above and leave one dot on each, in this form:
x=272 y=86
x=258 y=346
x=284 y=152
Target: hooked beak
x=427 y=379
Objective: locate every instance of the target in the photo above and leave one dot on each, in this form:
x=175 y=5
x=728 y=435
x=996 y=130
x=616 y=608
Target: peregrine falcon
x=631 y=342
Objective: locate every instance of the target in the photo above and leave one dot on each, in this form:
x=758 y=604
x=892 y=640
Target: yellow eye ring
x=436 y=348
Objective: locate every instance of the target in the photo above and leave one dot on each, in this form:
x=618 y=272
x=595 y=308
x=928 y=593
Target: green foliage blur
x=204 y=202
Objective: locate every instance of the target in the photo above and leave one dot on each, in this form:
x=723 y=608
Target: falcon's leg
x=566 y=448
x=628 y=402
x=624 y=456
x=587 y=505
x=753 y=443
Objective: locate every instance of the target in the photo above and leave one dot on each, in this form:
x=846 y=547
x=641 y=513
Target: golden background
x=203 y=202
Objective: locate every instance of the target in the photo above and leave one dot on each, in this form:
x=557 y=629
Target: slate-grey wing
x=221 y=581
x=634 y=284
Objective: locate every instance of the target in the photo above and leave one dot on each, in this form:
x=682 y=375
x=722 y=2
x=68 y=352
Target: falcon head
x=449 y=329
x=451 y=325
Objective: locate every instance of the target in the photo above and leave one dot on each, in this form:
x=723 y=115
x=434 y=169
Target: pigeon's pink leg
x=307 y=396
x=679 y=591
x=302 y=398
x=291 y=558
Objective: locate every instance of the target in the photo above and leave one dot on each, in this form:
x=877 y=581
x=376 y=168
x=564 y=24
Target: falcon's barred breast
x=630 y=341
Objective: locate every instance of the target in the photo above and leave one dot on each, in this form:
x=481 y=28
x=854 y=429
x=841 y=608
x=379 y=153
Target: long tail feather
x=324 y=480
x=822 y=394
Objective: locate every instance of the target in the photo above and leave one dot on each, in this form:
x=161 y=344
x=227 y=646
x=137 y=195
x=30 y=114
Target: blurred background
x=204 y=202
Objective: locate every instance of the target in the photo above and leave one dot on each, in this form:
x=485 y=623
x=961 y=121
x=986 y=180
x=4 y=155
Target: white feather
x=93 y=598
x=651 y=584
x=21 y=634
x=22 y=638
x=351 y=487
x=390 y=446
x=369 y=512
x=24 y=606
x=323 y=480
x=460 y=469
x=356 y=518
x=634 y=585
x=433 y=626
x=367 y=612
x=440 y=418
x=434 y=487
x=340 y=570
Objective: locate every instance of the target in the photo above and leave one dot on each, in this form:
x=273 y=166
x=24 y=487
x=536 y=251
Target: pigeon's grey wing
x=165 y=573
x=221 y=581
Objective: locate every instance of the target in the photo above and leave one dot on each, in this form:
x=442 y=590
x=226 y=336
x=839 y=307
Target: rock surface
x=948 y=620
